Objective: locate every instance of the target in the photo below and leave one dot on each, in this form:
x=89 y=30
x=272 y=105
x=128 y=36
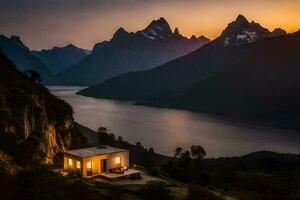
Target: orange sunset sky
x=48 y=23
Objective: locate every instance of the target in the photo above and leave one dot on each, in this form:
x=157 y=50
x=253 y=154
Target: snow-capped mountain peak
x=241 y=32
x=158 y=29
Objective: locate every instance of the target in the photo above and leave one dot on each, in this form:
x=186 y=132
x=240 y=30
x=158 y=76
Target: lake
x=165 y=129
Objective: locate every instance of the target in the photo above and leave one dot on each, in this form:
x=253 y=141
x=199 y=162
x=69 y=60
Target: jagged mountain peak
x=278 y=32
x=203 y=38
x=241 y=32
x=120 y=33
x=17 y=41
x=241 y=19
x=162 y=22
x=176 y=31
x=158 y=29
x=193 y=37
x=15 y=38
x=70 y=46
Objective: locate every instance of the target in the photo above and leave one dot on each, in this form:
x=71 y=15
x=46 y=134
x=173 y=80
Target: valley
x=166 y=129
x=130 y=100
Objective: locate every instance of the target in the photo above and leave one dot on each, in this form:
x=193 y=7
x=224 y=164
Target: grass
x=131 y=191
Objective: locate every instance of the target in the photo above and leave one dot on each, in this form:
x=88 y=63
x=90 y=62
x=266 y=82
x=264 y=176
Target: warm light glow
x=78 y=164
x=136 y=15
x=70 y=161
x=89 y=165
x=118 y=160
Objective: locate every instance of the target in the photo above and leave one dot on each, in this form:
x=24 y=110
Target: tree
x=102 y=130
x=151 y=150
x=34 y=75
x=185 y=159
x=119 y=139
x=138 y=144
x=197 y=152
x=178 y=152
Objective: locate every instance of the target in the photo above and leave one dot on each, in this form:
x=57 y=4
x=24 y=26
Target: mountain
x=259 y=77
x=35 y=126
x=61 y=58
x=241 y=31
x=16 y=51
x=127 y=52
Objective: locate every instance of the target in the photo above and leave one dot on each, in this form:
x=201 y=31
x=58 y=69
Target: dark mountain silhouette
x=16 y=51
x=61 y=58
x=127 y=52
x=278 y=32
x=260 y=77
x=241 y=31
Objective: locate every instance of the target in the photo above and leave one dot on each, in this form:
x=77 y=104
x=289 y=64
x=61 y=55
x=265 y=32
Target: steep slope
x=61 y=58
x=16 y=51
x=127 y=52
x=34 y=124
x=179 y=73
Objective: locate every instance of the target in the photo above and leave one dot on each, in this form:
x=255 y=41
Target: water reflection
x=165 y=129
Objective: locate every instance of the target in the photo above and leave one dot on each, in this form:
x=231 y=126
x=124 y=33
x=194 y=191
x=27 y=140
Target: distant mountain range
x=61 y=58
x=16 y=51
x=127 y=52
x=241 y=77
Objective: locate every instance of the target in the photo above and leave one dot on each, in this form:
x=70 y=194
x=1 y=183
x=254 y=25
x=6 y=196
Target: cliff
x=34 y=124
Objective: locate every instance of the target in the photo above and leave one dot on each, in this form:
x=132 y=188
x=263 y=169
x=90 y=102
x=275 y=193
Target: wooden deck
x=130 y=173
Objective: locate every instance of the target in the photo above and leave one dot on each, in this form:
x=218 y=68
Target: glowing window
x=70 y=161
x=78 y=164
x=118 y=160
x=89 y=165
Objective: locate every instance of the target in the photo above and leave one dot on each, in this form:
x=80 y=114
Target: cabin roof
x=94 y=151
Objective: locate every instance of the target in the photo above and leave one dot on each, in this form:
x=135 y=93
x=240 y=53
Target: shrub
x=74 y=173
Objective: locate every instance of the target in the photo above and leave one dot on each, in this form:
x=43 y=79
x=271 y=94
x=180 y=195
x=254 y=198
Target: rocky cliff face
x=34 y=124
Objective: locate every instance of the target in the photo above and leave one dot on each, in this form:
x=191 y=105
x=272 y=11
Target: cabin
x=106 y=161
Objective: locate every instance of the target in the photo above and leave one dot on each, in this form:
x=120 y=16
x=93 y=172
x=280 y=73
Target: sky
x=43 y=24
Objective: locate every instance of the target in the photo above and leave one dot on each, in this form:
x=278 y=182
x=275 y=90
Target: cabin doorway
x=103 y=166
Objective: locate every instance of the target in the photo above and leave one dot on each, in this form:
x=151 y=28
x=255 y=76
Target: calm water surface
x=166 y=129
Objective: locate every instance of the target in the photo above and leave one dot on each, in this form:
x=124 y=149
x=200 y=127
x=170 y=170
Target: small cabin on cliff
x=101 y=160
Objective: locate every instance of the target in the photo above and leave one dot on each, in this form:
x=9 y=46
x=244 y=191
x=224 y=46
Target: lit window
x=89 y=165
x=70 y=161
x=78 y=164
x=118 y=160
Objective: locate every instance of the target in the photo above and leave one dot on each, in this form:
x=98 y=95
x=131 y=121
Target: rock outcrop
x=34 y=124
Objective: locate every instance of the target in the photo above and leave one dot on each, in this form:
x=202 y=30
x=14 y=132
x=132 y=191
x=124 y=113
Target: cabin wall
x=73 y=166
x=124 y=158
x=110 y=162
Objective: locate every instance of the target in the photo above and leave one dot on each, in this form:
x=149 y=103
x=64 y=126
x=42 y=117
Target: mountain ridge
x=145 y=49
x=59 y=59
x=20 y=54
